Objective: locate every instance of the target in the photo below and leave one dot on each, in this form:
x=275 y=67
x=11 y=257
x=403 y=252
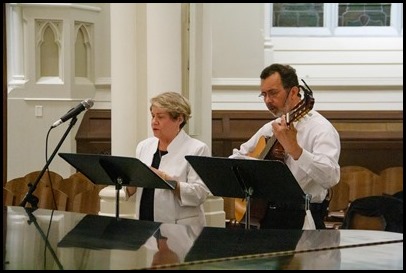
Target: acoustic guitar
x=269 y=148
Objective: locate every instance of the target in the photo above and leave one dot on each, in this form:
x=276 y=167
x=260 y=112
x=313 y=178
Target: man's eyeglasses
x=271 y=95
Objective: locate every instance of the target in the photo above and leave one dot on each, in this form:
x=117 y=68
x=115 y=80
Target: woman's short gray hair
x=175 y=104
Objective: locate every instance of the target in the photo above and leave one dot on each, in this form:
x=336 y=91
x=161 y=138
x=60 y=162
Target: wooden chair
x=362 y=182
x=77 y=183
x=47 y=178
x=392 y=180
x=46 y=197
x=87 y=201
x=8 y=197
x=18 y=187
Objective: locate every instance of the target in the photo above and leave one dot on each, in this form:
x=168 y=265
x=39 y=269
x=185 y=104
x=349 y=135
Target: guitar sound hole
x=276 y=153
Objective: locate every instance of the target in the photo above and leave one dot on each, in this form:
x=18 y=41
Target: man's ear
x=295 y=91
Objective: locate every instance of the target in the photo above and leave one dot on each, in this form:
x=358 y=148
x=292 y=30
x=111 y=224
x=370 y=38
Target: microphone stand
x=29 y=197
x=32 y=219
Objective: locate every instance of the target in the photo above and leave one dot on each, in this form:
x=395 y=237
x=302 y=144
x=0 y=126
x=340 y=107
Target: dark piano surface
x=79 y=241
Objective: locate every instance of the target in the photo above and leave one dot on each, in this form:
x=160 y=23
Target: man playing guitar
x=300 y=137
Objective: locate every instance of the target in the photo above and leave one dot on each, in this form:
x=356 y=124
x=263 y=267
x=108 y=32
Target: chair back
x=48 y=179
x=87 y=201
x=339 y=196
x=17 y=185
x=8 y=197
x=392 y=180
x=362 y=182
x=49 y=198
x=19 y=188
x=76 y=184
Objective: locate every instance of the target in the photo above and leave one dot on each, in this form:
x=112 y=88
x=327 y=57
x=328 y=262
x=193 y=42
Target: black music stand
x=103 y=232
x=236 y=242
x=118 y=171
x=270 y=180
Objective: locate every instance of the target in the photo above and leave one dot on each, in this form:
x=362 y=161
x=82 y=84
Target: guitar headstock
x=303 y=107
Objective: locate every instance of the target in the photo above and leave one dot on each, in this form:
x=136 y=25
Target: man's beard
x=276 y=113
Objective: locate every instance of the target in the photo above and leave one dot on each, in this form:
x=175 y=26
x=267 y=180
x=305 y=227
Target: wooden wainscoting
x=372 y=139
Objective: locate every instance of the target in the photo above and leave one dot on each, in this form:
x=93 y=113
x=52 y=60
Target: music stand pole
x=29 y=197
x=118 y=178
x=248 y=209
x=248 y=191
x=118 y=188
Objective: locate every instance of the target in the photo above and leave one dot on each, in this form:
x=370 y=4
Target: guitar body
x=239 y=208
x=261 y=144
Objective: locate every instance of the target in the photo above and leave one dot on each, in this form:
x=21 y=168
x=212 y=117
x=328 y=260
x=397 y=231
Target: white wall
x=345 y=73
x=27 y=143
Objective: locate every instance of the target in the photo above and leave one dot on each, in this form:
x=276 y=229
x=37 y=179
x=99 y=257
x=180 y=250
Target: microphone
x=86 y=104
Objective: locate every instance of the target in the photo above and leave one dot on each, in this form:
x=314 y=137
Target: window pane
x=297 y=15
x=364 y=14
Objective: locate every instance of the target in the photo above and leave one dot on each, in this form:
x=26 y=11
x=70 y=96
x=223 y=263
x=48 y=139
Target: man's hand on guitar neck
x=286 y=135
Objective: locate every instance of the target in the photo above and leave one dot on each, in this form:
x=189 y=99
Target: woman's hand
x=161 y=174
x=166 y=177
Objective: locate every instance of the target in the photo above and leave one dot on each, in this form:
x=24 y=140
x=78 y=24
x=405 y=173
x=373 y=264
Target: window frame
x=331 y=27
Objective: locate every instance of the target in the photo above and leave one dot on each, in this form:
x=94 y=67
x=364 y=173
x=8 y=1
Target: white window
x=335 y=19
